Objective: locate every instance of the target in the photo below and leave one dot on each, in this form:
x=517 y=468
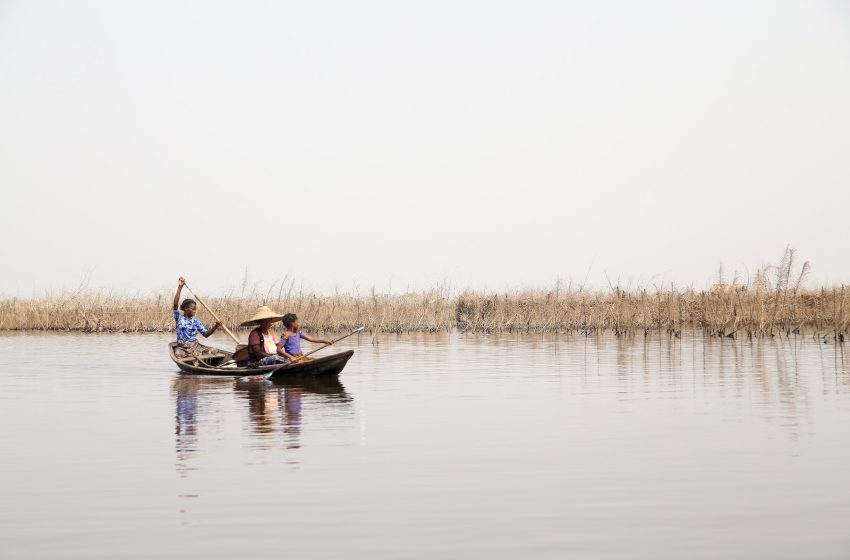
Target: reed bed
x=730 y=313
x=773 y=303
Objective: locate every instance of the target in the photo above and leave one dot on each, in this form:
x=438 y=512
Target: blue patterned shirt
x=186 y=328
x=292 y=345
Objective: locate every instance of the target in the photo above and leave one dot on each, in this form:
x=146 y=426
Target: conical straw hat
x=261 y=315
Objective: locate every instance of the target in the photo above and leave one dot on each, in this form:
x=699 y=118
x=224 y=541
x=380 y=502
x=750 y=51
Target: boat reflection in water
x=275 y=409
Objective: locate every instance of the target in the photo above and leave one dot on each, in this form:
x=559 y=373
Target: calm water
x=429 y=447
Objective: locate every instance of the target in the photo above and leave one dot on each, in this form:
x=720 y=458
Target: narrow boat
x=204 y=360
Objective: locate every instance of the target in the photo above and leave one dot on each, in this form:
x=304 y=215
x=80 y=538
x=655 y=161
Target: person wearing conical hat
x=263 y=342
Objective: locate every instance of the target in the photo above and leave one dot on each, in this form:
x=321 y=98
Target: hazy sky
x=400 y=144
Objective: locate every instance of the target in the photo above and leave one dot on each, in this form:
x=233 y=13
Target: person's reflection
x=186 y=419
x=292 y=417
x=260 y=409
x=187 y=408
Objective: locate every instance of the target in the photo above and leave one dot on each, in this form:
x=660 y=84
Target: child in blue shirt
x=291 y=339
x=186 y=324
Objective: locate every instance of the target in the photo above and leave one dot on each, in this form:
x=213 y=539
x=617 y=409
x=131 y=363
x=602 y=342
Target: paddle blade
x=241 y=354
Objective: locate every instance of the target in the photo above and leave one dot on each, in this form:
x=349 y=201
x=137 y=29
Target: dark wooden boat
x=204 y=360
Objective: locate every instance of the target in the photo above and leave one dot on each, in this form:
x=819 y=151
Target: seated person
x=290 y=346
x=186 y=324
x=263 y=342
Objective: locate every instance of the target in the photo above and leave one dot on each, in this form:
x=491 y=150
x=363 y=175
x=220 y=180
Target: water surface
x=440 y=446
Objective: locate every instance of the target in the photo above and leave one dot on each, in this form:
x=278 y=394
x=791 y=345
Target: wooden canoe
x=212 y=361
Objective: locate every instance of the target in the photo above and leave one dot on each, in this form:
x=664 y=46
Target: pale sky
x=399 y=145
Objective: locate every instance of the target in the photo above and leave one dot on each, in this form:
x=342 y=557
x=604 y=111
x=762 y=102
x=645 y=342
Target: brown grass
x=734 y=313
x=773 y=303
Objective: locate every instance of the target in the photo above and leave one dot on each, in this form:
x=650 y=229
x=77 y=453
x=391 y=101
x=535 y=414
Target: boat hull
x=208 y=360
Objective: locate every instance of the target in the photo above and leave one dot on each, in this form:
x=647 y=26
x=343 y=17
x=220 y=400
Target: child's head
x=291 y=322
x=188 y=307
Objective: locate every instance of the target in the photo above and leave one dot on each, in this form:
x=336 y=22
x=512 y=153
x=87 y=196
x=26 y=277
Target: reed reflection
x=763 y=375
x=276 y=408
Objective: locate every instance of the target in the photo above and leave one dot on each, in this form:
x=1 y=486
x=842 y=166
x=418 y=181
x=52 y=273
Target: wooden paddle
x=299 y=358
x=211 y=312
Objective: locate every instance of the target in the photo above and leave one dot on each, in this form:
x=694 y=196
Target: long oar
x=326 y=345
x=272 y=372
x=211 y=312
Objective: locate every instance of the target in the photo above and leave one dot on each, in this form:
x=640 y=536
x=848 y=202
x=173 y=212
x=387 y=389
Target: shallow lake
x=437 y=446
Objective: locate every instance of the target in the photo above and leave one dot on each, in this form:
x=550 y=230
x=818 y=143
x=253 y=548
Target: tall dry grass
x=772 y=303
x=733 y=313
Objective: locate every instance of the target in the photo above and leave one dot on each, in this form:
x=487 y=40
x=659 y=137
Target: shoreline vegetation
x=773 y=303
